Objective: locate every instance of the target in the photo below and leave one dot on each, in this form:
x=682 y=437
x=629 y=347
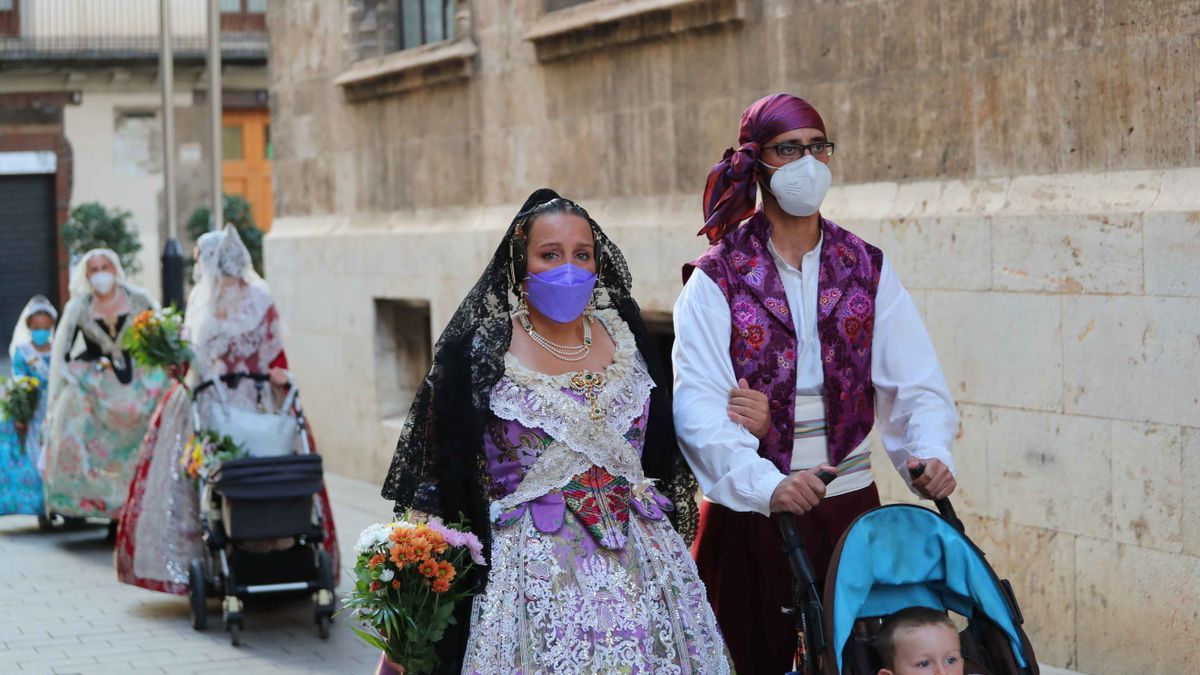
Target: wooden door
x=246 y=169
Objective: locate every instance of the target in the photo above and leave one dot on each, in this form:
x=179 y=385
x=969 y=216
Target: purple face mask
x=561 y=293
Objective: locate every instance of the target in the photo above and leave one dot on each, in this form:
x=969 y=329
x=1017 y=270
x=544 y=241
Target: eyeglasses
x=797 y=150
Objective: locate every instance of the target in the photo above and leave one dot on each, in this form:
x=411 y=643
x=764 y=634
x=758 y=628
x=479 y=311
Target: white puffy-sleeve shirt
x=914 y=412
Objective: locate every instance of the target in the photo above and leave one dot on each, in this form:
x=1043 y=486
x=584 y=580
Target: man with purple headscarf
x=796 y=339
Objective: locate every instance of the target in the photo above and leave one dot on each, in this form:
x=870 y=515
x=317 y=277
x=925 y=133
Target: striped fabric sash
x=805 y=430
x=810 y=428
x=854 y=464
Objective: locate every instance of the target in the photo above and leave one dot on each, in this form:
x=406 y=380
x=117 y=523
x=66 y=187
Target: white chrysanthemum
x=386 y=575
x=372 y=537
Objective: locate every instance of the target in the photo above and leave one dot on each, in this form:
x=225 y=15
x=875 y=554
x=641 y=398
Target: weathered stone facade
x=1029 y=166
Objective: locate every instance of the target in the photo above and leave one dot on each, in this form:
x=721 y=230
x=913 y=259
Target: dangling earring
x=522 y=305
x=593 y=302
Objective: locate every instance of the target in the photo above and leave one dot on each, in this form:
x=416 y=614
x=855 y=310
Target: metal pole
x=214 y=104
x=172 y=257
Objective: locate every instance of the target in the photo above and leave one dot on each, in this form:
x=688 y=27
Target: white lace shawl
x=538 y=401
x=228 y=305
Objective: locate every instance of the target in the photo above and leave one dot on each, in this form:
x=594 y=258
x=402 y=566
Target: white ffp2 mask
x=102 y=282
x=801 y=185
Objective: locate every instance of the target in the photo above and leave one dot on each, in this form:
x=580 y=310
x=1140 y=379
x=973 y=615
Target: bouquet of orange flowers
x=410 y=577
x=156 y=340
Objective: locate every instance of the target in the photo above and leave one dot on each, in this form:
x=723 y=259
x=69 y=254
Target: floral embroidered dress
x=20 y=481
x=100 y=407
x=587 y=574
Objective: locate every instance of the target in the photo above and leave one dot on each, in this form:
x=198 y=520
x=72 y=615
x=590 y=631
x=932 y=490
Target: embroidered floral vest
x=763 y=341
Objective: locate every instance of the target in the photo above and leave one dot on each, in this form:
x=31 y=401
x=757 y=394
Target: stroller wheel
x=198 y=595
x=323 y=599
x=231 y=608
x=44 y=522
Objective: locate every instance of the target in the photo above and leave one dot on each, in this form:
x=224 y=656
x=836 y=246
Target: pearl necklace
x=569 y=353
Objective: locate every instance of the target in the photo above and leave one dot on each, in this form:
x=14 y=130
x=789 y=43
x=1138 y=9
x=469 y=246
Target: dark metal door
x=28 y=260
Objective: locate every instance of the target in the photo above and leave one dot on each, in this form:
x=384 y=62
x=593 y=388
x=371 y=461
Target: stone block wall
x=1030 y=168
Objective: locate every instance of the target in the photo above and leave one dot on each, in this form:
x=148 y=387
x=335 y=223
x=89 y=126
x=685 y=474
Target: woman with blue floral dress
x=21 y=445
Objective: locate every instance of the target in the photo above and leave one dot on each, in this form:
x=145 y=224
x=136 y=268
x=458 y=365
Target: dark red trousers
x=740 y=558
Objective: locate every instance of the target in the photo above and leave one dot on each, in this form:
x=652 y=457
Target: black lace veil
x=438 y=466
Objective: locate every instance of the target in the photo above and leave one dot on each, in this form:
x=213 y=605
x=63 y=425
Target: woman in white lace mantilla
x=234 y=328
x=566 y=451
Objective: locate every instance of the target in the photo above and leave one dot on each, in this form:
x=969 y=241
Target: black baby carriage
x=899 y=556
x=250 y=509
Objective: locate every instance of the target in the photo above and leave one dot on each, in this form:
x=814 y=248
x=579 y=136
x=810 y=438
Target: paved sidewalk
x=63 y=610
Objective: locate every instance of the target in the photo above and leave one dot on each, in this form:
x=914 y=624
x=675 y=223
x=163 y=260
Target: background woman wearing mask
x=100 y=400
x=21 y=448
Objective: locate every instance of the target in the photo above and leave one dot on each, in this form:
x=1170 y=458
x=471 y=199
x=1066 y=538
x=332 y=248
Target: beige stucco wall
x=1029 y=168
x=89 y=128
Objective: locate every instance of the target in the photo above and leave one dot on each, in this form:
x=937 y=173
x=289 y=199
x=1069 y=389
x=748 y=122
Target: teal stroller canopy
x=902 y=555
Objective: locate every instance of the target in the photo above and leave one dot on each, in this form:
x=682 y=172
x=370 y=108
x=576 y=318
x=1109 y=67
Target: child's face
x=928 y=650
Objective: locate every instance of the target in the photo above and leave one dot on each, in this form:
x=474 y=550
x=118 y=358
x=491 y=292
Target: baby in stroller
x=894 y=575
x=919 y=641
x=908 y=566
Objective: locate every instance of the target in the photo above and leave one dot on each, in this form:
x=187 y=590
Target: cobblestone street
x=65 y=612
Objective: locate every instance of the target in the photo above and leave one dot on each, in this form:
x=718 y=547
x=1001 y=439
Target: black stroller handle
x=943 y=505
x=231 y=380
x=806 y=596
x=793 y=543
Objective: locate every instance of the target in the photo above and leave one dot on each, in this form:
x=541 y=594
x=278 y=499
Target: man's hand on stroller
x=936 y=482
x=800 y=492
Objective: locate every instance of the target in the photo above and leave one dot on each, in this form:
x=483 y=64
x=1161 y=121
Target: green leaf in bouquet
x=370 y=639
x=391 y=622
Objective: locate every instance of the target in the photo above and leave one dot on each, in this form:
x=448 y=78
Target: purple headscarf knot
x=742 y=160
x=731 y=189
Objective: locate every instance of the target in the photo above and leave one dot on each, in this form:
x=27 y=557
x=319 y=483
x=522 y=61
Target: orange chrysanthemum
x=437 y=542
x=441 y=585
x=428 y=568
x=396 y=584
x=376 y=560
x=403 y=554
x=421 y=545
x=445 y=570
x=375 y=585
